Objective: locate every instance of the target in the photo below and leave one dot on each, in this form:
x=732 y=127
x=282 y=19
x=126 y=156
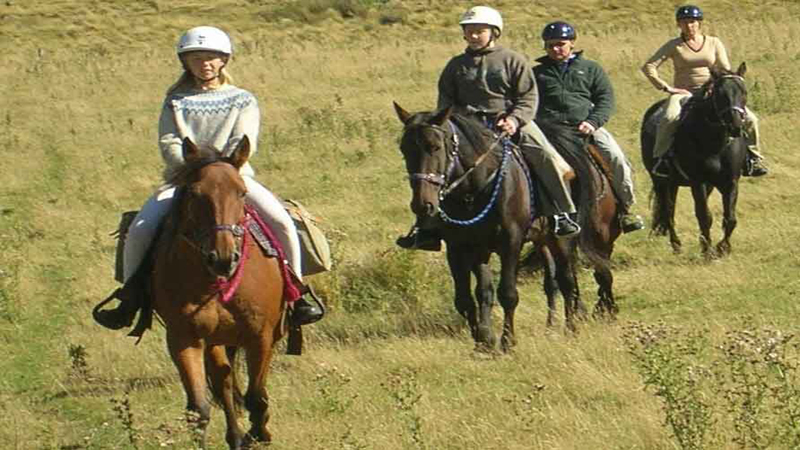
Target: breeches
x=621 y=172
x=549 y=167
x=144 y=226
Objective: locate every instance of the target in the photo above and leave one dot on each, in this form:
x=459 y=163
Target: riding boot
x=754 y=165
x=421 y=239
x=564 y=225
x=304 y=312
x=630 y=222
x=131 y=299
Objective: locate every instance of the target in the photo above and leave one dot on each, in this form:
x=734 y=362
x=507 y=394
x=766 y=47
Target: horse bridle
x=735 y=109
x=441 y=180
x=199 y=238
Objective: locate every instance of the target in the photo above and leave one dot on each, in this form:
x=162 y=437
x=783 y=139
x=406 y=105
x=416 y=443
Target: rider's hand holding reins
x=586 y=128
x=507 y=124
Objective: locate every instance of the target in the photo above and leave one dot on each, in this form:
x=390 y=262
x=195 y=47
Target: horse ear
x=241 y=153
x=190 y=150
x=742 y=69
x=402 y=114
x=442 y=116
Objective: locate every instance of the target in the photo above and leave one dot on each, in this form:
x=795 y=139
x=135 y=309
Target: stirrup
x=564 y=226
x=314 y=313
x=661 y=168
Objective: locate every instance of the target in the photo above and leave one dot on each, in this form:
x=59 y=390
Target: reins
x=446 y=188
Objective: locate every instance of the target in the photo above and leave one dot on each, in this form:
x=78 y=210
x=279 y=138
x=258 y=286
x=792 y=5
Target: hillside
x=392 y=365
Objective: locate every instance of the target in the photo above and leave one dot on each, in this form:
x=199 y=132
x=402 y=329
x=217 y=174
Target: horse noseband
x=236 y=230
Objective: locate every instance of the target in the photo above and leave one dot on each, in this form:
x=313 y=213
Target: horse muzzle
x=222 y=266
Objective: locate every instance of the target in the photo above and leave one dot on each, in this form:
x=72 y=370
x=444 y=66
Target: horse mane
x=479 y=136
x=185 y=174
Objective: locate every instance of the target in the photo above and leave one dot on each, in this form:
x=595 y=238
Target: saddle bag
x=121 y=233
x=314 y=248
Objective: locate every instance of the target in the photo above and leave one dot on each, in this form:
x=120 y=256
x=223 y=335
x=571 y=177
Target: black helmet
x=558 y=30
x=689 y=12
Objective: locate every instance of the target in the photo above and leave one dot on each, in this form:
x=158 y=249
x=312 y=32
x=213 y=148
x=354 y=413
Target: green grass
x=393 y=365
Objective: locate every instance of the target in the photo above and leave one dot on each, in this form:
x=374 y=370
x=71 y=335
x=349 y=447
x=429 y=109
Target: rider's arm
x=169 y=138
x=721 y=55
x=650 y=68
x=247 y=123
x=602 y=95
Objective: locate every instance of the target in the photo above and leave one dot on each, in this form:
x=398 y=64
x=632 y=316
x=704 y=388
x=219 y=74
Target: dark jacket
x=580 y=93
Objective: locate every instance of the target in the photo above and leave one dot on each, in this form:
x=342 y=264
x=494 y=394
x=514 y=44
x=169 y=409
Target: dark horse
x=469 y=185
x=205 y=252
x=708 y=152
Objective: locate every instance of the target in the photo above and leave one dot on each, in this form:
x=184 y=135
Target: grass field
x=392 y=366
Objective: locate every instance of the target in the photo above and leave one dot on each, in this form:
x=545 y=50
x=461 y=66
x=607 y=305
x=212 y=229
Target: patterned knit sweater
x=215 y=120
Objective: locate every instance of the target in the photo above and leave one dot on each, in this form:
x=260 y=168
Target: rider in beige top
x=693 y=55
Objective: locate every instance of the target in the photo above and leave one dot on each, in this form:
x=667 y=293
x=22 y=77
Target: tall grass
x=392 y=365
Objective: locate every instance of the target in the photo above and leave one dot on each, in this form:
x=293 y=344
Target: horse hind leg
x=222 y=376
x=550 y=286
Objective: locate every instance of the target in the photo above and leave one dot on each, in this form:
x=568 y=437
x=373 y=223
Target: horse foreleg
x=507 y=291
x=464 y=302
x=484 y=294
x=256 y=400
x=188 y=358
x=221 y=374
x=703 y=214
x=729 y=200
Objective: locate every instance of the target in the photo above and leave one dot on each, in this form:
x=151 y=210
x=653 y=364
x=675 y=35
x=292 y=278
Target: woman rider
x=693 y=55
x=204 y=106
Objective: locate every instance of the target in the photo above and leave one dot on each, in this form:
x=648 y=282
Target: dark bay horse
x=709 y=152
x=598 y=214
x=470 y=186
x=205 y=251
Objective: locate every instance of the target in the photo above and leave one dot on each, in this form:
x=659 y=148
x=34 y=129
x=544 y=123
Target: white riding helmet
x=483 y=15
x=205 y=38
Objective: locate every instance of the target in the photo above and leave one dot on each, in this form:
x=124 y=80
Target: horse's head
x=424 y=144
x=728 y=95
x=212 y=207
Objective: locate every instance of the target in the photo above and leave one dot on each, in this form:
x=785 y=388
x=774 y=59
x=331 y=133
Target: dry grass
x=83 y=85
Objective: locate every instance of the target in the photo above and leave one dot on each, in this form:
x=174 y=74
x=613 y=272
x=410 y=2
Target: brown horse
x=205 y=247
x=598 y=215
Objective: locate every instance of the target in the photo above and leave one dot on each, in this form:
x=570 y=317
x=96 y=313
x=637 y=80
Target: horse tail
x=216 y=391
x=662 y=203
x=572 y=146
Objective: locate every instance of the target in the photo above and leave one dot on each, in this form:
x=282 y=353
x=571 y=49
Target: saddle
x=140 y=280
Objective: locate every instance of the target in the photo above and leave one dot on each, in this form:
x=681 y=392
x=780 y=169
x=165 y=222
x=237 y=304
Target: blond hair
x=186 y=80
